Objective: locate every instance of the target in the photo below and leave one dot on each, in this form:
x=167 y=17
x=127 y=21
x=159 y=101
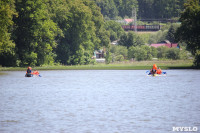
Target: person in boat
x=159 y=71
x=28 y=72
x=36 y=72
x=154 y=69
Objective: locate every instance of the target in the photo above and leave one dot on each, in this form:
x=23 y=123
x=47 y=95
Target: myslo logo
x=184 y=129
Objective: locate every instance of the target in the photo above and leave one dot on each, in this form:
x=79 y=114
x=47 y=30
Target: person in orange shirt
x=154 y=69
x=159 y=71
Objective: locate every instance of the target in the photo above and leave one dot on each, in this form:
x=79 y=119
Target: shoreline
x=127 y=65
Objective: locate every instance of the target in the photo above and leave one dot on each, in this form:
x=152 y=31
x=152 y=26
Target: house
x=115 y=42
x=165 y=43
x=127 y=21
x=99 y=56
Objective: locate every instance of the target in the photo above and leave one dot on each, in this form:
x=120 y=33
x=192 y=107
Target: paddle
x=164 y=72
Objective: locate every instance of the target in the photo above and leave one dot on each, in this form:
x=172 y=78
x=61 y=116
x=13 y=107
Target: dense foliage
x=160 y=8
x=45 y=31
x=7 y=11
x=146 y=9
x=189 y=30
x=132 y=46
x=115 y=30
x=40 y=32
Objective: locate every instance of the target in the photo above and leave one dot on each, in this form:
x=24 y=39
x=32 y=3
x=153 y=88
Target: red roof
x=128 y=20
x=169 y=45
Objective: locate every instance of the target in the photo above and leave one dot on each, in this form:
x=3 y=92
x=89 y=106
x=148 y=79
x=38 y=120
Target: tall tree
x=115 y=30
x=127 y=7
x=145 y=9
x=35 y=32
x=158 y=9
x=130 y=39
x=7 y=53
x=108 y=8
x=83 y=32
x=189 y=30
x=171 y=33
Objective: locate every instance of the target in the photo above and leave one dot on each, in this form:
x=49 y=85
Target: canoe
x=32 y=75
x=28 y=75
x=157 y=75
x=162 y=74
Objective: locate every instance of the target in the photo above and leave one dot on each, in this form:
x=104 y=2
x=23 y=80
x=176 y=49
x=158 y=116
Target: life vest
x=36 y=72
x=159 y=71
x=154 y=66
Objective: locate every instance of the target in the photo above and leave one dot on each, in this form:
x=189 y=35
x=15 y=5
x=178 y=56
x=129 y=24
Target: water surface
x=99 y=101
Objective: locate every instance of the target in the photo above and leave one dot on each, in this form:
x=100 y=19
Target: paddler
x=154 y=69
x=36 y=72
x=28 y=72
x=159 y=71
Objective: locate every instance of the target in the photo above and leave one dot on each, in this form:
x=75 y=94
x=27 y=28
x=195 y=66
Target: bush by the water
x=144 y=52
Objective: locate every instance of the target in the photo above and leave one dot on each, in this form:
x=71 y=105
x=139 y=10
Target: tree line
x=134 y=46
x=146 y=9
x=37 y=32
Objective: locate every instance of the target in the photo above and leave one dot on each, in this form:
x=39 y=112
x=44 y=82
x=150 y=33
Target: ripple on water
x=99 y=101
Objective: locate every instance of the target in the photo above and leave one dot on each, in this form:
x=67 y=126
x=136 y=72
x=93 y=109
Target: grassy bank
x=135 y=65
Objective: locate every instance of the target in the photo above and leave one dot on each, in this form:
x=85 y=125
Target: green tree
x=127 y=7
x=81 y=32
x=83 y=29
x=119 y=52
x=131 y=52
x=154 y=52
x=131 y=39
x=158 y=37
x=162 y=52
x=145 y=9
x=171 y=33
x=160 y=8
x=108 y=8
x=35 y=33
x=173 y=53
x=139 y=53
x=115 y=30
x=7 y=53
x=189 y=29
x=148 y=52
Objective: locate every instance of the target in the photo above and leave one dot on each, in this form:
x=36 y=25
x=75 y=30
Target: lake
x=99 y=101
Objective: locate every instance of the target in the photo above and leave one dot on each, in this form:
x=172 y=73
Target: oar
x=147 y=71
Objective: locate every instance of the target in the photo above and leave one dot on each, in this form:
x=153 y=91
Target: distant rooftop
x=165 y=43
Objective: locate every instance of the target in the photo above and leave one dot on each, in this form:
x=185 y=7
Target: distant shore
x=127 y=65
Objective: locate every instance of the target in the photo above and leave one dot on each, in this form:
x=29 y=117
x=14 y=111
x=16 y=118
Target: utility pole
x=135 y=20
x=134 y=15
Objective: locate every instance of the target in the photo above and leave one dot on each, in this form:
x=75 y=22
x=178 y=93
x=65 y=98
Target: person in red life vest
x=36 y=72
x=159 y=71
x=154 y=69
x=28 y=72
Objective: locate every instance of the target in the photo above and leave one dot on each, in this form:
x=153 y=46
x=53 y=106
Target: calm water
x=99 y=102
